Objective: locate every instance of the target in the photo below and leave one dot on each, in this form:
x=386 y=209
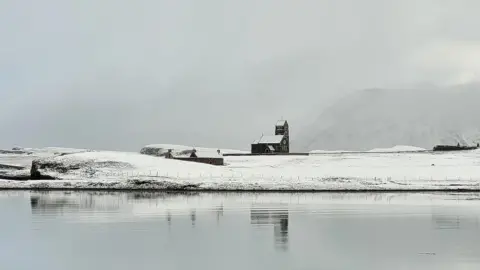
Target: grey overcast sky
x=118 y=74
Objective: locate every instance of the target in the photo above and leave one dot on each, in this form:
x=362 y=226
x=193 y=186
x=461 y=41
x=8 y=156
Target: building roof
x=280 y=123
x=208 y=154
x=269 y=139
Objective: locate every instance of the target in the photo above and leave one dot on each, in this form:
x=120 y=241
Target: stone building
x=278 y=143
x=208 y=157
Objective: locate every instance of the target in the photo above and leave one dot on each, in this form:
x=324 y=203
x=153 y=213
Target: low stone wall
x=265 y=154
x=211 y=161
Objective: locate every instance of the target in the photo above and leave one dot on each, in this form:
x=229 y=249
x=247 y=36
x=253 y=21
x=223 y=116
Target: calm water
x=96 y=230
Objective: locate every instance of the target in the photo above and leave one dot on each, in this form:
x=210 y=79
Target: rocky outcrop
x=160 y=151
x=35 y=173
x=153 y=151
x=70 y=164
x=60 y=166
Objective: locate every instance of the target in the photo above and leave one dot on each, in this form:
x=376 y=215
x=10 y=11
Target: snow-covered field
x=325 y=172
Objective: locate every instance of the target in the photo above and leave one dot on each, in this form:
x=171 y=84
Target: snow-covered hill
x=378 y=118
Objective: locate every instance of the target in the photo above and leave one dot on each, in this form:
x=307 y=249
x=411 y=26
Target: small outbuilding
x=207 y=157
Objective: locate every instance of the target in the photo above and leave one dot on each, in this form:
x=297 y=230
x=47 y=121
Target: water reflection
x=61 y=203
x=219 y=212
x=276 y=217
x=58 y=203
x=447 y=221
x=309 y=231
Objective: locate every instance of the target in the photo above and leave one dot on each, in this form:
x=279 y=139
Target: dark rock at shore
x=35 y=174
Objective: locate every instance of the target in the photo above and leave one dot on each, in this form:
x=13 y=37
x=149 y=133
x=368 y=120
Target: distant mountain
x=377 y=118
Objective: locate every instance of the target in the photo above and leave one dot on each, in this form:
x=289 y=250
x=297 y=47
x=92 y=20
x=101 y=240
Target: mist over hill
x=376 y=118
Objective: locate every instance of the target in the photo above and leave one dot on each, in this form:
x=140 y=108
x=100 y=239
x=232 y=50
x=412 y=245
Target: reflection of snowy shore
x=112 y=206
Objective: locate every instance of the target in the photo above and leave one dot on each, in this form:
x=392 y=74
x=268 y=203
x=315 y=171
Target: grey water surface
x=118 y=230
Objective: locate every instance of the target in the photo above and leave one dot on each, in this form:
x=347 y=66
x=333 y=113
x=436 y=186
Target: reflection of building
x=193 y=216
x=276 y=217
x=219 y=212
x=445 y=221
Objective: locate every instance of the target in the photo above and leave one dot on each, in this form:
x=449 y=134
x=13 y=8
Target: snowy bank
x=355 y=171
